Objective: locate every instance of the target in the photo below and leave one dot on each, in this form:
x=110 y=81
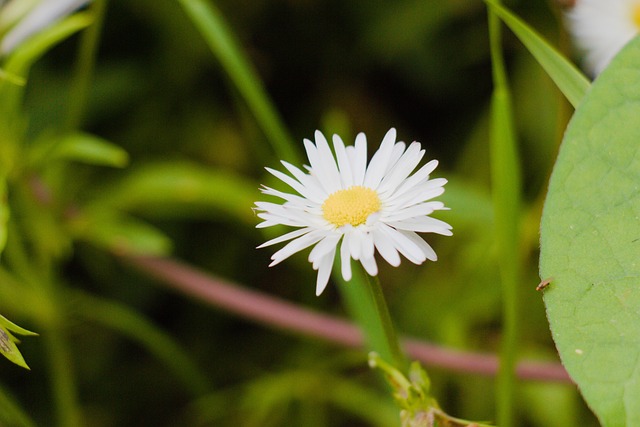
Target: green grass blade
x=11 y=414
x=218 y=36
x=20 y=61
x=505 y=183
x=4 y=213
x=571 y=82
x=120 y=318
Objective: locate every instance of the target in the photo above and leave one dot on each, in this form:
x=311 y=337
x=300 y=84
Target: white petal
x=420 y=193
x=297 y=245
x=265 y=224
x=313 y=188
x=324 y=271
x=345 y=258
x=416 y=178
x=404 y=245
x=355 y=244
x=285 y=237
x=367 y=246
x=415 y=211
x=601 y=29
x=346 y=173
x=358 y=159
x=396 y=154
x=386 y=248
x=324 y=246
x=328 y=162
x=321 y=166
x=380 y=160
x=370 y=266
x=427 y=250
x=423 y=225
x=401 y=170
x=296 y=185
x=285 y=196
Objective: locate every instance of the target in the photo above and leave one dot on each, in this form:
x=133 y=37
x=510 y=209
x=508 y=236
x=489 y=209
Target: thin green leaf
x=10 y=412
x=90 y=149
x=590 y=244
x=120 y=233
x=571 y=82
x=219 y=37
x=129 y=323
x=4 y=213
x=10 y=326
x=506 y=189
x=19 y=62
x=181 y=189
x=9 y=349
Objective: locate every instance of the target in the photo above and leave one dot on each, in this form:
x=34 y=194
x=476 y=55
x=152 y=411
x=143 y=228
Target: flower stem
x=365 y=301
x=505 y=173
x=84 y=66
x=62 y=378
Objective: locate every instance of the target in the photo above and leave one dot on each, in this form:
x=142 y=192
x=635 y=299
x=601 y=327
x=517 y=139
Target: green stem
x=505 y=173
x=365 y=301
x=85 y=65
x=62 y=379
x=218 y=36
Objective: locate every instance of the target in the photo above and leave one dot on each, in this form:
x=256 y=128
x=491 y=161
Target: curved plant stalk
x=505 y=174
x=219 y=37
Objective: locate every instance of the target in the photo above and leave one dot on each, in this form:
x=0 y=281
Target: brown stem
x=269 y=310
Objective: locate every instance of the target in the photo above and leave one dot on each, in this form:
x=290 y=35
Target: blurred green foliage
x=179 y=174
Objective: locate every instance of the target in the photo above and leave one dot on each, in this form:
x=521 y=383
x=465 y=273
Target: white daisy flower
x=602 y=27
x=343 y=201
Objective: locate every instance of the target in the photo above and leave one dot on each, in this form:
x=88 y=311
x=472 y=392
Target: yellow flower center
x=351 y=206
x=635 y=15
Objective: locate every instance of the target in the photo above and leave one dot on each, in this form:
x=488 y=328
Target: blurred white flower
x=602 y=27
x=367 y=207
x=19 y=19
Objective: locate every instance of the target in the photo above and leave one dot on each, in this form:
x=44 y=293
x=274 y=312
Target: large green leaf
x=590 y=244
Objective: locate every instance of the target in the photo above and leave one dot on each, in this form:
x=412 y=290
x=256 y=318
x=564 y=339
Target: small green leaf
x=571 y=82
x=590 y=244
x=120 y=233
x=90 y=149
x=178 y=189
x=8 y=342
x=9 y=349
x=9 y=325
